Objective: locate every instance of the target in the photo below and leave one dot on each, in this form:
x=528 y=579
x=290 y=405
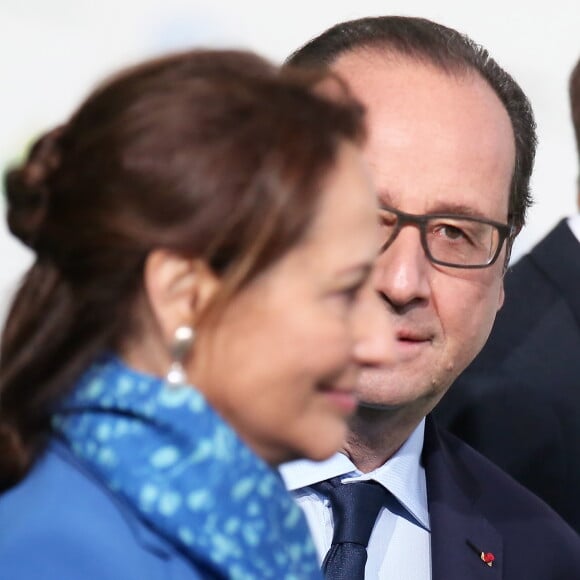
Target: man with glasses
x=451 y=147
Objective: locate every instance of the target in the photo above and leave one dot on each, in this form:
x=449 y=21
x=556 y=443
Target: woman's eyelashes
x=349 y=288
x=351 y=292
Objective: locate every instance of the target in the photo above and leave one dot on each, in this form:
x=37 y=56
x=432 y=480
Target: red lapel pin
x=488 y=558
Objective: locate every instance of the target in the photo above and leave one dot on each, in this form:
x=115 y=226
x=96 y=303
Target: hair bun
x=27 y=189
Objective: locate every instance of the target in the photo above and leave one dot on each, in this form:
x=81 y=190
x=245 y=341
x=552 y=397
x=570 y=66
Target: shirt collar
x=403 y=475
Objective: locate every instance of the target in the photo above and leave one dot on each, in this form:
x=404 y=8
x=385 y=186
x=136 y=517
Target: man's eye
x=387 y=219
x=451 y=232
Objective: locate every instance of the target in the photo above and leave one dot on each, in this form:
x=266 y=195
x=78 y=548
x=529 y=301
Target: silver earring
x=179 y=349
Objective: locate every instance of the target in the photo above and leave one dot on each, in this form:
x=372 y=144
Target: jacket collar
x=459 y=532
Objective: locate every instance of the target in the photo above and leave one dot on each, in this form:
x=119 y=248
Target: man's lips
x=411 y=343
x=413 y=336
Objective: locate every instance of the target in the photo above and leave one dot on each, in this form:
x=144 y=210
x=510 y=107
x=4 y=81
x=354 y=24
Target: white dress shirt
x=574 y=225
x=399 y=547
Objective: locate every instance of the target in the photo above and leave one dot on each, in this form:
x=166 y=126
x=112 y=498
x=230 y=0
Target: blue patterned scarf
x=187 y=474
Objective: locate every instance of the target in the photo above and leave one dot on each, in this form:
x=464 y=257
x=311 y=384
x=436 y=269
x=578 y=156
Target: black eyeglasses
x=449 y=240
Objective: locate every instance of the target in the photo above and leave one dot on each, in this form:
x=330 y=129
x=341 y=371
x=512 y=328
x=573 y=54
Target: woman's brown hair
x=211 y=154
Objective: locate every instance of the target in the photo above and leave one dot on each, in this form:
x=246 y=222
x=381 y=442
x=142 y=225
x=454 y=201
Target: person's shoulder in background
x=65 y=525
x=541 y=311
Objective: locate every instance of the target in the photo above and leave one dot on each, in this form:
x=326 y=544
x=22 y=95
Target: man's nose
x=402 y=270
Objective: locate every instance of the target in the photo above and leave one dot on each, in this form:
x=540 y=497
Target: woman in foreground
x=197 y=312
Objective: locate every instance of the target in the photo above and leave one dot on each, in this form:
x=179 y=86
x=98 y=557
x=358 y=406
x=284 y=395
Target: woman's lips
x=343 y=398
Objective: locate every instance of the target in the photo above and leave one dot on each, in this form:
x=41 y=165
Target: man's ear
x=501 y=297
x=178 y=289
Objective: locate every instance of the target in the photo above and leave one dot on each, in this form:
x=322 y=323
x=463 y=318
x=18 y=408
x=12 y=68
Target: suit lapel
x=459 y=533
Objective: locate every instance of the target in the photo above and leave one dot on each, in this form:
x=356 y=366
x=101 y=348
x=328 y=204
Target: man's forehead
x=367 y=68
x=437 y=142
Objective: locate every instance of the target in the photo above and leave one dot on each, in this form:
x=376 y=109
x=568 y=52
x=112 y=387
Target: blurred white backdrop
x=53 y=53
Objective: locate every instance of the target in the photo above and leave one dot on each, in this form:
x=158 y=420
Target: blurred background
x=52 y=53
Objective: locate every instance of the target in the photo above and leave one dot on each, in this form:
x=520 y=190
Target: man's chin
x=393 y=400
x=379 y=405
x=378 y=390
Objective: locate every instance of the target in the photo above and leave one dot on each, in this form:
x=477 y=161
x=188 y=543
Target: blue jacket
x=60 y=523
x=156 y=486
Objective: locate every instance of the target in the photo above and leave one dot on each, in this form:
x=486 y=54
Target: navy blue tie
x=355 y=507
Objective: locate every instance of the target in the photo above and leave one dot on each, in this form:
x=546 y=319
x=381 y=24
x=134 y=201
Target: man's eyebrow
x=440 y=207
x=456 y=209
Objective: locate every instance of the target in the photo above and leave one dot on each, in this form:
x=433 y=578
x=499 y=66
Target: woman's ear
x=178 y=289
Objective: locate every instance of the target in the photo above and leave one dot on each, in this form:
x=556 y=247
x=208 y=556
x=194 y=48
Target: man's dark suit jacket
x=519 y=401
x=475 y=507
